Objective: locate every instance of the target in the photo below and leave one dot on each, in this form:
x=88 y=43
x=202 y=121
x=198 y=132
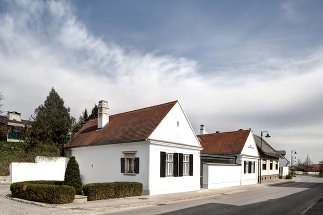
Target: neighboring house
x=154 y=145
x=269 y=166
x=283 y=162
x=228 y=158
x=13 y=127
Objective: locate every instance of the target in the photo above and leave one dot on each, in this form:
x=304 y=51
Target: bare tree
x=308 y=164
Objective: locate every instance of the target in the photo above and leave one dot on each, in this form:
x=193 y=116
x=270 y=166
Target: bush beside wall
x=72 y=175
x=43 y=191
x=97 y=191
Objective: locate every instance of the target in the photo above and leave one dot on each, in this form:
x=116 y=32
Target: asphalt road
x=291 y=198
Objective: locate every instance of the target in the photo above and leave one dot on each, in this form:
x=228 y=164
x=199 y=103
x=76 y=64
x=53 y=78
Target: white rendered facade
x=244 y=172
x=173 y=135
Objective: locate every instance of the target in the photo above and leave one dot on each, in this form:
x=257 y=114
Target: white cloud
x=43 y=44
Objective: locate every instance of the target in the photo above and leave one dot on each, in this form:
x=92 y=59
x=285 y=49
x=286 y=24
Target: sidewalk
x=145 y=200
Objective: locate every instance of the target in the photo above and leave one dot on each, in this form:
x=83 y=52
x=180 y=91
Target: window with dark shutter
x=191 y=165
x=162 y=164
x=175 y=164
x=245 y=167
x=122 y=165
x=180 y=166
x=137 y=165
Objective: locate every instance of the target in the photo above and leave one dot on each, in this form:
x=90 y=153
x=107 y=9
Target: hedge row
x=97 y=191
x=43 y=191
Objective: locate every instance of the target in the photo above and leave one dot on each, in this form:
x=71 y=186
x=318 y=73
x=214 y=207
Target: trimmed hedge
x=97 y=191
x=43 y=191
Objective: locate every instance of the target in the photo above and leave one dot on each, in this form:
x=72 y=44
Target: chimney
x=103 y=114
x=202 y=129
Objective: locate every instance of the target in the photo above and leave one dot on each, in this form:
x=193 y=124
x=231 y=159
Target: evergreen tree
x=51 y=122
x=85 y=115
x=94 y=113
x=72 y=175
x=1 y=98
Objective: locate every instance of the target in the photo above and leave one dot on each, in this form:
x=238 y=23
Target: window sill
x=130 y=174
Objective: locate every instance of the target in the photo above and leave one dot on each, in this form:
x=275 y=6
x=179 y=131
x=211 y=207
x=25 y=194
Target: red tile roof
x=224 y=142
x=124 y=127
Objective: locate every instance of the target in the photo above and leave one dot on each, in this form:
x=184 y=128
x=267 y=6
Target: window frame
x=129 y=162
x=169 y=165
x=264 y=164
x=186 y=164
x=271 y=165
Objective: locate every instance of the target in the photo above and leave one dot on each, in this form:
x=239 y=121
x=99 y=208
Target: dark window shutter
x=137 y=165
x=122 y=165
x=175 y=165
x=245 y=167
x=162 y=164
x=191 y=165
x=180 y=166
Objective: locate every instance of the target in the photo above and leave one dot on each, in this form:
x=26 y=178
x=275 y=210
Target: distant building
x=269 y=167
x=12 y=127
x=283 y=160
x=293 y=158
x=228 y=159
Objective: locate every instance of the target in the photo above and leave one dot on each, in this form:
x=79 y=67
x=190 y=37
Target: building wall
x=175 y=127
x=103 y=163
x=274 y=171
x=269 y=175
x=44 y=168
x=283 y=171
x=248 y=178
x=220 y=175
x=161 y=185
x=249 y=153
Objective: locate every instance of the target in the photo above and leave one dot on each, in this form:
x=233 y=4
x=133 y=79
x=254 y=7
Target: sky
x=231 y=64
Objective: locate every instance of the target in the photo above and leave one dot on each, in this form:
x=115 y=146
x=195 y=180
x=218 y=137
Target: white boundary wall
x=44 y=168
x=284 y=171
x=219 y=175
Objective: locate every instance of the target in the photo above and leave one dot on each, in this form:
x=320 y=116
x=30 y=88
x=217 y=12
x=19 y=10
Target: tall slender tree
x=94 y=112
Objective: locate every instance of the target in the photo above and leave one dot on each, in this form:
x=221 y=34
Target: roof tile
x=124 y=127
x=224 y=142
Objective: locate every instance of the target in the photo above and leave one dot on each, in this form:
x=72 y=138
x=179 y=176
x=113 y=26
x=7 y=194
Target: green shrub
x=97 y=191
x=288 y=177
x=72 y=175
x=43 y=191
x=44 y=182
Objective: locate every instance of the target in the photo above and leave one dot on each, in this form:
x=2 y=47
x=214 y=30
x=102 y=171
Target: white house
x=269 y=168
x=228 y=159
x=154 y=145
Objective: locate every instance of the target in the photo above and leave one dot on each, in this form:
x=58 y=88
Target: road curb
x=144 y=204
x=9 y=196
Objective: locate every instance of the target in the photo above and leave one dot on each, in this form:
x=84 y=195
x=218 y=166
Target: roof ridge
x=225 y=132
x=145 y=108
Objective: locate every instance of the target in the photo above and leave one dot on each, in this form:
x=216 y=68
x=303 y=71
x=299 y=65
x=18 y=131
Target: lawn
x=15 y=152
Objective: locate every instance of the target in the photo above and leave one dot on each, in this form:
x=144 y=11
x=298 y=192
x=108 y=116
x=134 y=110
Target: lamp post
x=260 y=166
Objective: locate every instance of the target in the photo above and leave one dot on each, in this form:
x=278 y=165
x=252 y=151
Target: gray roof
x=266 y=149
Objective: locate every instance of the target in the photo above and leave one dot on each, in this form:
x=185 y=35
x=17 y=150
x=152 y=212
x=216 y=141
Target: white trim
x=175 y=145
x=190 y=125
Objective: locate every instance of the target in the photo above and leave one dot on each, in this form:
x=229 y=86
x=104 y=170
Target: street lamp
x=260 y=168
